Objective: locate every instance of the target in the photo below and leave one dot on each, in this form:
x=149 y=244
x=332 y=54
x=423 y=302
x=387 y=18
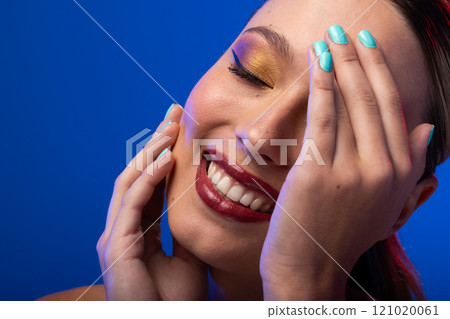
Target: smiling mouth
x=231 y=191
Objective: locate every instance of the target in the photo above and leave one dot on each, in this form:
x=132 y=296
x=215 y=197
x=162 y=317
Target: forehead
x=302 y=22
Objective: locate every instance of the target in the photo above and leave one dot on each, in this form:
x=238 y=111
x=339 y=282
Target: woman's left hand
x=327 y=216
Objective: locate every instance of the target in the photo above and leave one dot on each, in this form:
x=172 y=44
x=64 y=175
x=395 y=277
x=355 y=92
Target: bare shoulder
x=95 y=293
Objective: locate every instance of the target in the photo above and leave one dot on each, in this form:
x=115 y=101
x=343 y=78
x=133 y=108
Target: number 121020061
x=405 y=310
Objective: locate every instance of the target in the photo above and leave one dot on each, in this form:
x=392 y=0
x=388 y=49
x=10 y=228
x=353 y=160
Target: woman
x=369 y=109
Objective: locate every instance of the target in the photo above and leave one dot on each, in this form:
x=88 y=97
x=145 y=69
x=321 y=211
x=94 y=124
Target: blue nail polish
x=337 y=34
x=320 y=47
x=167 y=124
x=162 y=153
x=431 y=136
x=326 y=60
x=168 y=111
x=367 y=39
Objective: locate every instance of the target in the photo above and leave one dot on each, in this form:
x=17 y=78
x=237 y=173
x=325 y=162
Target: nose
x=274 y=132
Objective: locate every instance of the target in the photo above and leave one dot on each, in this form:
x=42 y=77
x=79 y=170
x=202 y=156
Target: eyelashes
x=238 y=69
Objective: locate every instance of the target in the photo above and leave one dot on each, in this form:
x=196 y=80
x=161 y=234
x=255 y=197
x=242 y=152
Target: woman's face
x=235 y=109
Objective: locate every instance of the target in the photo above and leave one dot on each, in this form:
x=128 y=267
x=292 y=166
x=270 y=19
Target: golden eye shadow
x=258 y=59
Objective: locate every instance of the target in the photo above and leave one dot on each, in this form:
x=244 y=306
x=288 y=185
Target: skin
x=365 y=118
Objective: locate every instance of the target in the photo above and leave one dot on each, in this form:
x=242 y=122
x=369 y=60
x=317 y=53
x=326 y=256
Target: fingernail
x=162 y=153
x=367 y=39
x=168 y=111
x=337 y=34
x=167 y=124
x=431 y=136
x=326 y=60
x=320 y=47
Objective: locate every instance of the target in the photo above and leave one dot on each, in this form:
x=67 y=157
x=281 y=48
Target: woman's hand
x=129 y=250
x=355 y=118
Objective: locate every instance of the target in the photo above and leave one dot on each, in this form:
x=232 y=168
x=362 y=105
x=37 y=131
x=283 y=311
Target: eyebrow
x=277 y=41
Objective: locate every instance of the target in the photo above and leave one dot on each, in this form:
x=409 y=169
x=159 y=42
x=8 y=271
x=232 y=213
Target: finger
x=321 y=118
x=140 y=162
x=173 y=113
x=419 y=139
x=156 y=145
x=130 y=174
x=129 y=218
x=345 y=140
x=387 y=96
x=358 y=96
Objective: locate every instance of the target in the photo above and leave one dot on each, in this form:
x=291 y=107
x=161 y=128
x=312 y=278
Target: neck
x=233 y=286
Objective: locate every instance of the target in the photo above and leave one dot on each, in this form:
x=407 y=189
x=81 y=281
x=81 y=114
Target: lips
x=236 y=178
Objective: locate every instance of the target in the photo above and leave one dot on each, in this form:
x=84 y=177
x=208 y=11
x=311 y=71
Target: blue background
x=70 y=98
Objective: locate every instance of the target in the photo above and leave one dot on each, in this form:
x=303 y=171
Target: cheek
x=204 y=100
x=213 y=102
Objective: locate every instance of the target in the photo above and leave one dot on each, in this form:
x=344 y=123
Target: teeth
x=246 y=199
x=224 y=185
x=256 y=204
x=216 y=178
x=233 y=190
x=265 y=208
x=211 y=170
x=235 y=193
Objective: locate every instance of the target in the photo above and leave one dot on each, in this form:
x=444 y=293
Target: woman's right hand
x=133 y=264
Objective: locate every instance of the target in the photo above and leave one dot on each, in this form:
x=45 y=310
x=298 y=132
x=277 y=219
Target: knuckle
x=123 y=248
x=365 y=96
x=125 y=201
x=121 y=181
x=99 y=245
x=382 y=173
x=406 y=170
x=112 y=252
x=109 y=257
x=348 y=58
x=324 y=120
x=118 y=180
x=394 y=102
x=323 y=83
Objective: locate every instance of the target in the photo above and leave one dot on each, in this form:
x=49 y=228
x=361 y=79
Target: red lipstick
x=218 y=203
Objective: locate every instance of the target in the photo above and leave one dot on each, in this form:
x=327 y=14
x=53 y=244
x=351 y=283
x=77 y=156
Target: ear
x=420 y=194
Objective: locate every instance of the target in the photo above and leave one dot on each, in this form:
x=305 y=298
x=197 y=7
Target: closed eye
x=238 y=69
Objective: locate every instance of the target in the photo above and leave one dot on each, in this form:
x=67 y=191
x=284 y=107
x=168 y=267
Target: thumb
x=419 y=140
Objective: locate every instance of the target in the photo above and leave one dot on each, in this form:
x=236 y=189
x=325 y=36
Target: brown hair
x=385 y=270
